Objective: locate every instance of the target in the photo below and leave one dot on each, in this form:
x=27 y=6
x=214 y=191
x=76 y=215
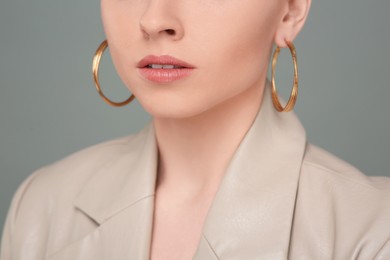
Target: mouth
x=163 y=62
x=164 y=69
x=163 y=66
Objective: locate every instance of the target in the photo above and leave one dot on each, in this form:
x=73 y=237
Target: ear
x=292 y=21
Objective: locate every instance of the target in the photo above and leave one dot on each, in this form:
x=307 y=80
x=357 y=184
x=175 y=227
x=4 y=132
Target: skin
x=199 y=120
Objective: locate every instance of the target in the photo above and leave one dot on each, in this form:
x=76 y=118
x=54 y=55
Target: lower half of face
x=227 y=43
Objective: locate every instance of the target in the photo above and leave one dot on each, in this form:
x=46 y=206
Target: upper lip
x=163 y=59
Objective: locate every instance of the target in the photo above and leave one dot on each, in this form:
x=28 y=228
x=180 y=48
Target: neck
x=195 y=152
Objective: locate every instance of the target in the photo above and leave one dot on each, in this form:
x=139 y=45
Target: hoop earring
x=95 y=70
x=294 y=92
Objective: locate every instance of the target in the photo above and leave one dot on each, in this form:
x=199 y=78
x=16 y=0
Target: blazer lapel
x=252 y=213
x=120 y=199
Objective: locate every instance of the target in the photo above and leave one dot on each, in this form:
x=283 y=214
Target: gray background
x=49 y=108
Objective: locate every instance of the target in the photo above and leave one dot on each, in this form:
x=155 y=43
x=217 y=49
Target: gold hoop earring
x=294 y=92
x=95 y=70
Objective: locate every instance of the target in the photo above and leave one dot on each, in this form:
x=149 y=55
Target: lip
x=164 y=75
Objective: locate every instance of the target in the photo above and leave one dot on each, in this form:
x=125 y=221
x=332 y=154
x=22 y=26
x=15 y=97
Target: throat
x=194 y=153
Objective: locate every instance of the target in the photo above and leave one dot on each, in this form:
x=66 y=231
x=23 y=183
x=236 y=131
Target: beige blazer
x=280 y=198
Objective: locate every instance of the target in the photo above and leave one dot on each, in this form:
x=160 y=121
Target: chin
x=174 y=113
x=173 y=110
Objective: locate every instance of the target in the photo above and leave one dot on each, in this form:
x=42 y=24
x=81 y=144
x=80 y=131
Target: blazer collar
x=251 y=213
x=123 y=181
x=253 y=210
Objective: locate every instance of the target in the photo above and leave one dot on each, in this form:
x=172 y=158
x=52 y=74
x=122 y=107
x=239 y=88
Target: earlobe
x=292 y=21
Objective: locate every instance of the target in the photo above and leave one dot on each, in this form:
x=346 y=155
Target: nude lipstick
x=164 y=69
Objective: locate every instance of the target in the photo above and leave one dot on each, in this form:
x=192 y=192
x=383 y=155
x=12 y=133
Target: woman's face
x=227 y=41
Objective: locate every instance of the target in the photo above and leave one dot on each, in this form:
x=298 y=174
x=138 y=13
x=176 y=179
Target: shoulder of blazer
x=340 y=211
x=51 y=191
x=75 y=168
x=80 y=166
x=318 y=161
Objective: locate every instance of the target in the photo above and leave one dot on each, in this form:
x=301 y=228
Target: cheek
x=121 y=21
x=121 y=27
x=239 y=56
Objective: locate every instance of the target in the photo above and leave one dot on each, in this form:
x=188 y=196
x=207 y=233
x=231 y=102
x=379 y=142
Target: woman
x=219 y=173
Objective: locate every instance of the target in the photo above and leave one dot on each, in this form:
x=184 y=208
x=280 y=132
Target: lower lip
x=165 y=75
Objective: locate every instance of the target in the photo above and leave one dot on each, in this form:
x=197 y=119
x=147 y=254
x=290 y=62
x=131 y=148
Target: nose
x=159 y=21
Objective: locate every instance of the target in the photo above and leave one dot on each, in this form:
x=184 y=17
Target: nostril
x=170 y=31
